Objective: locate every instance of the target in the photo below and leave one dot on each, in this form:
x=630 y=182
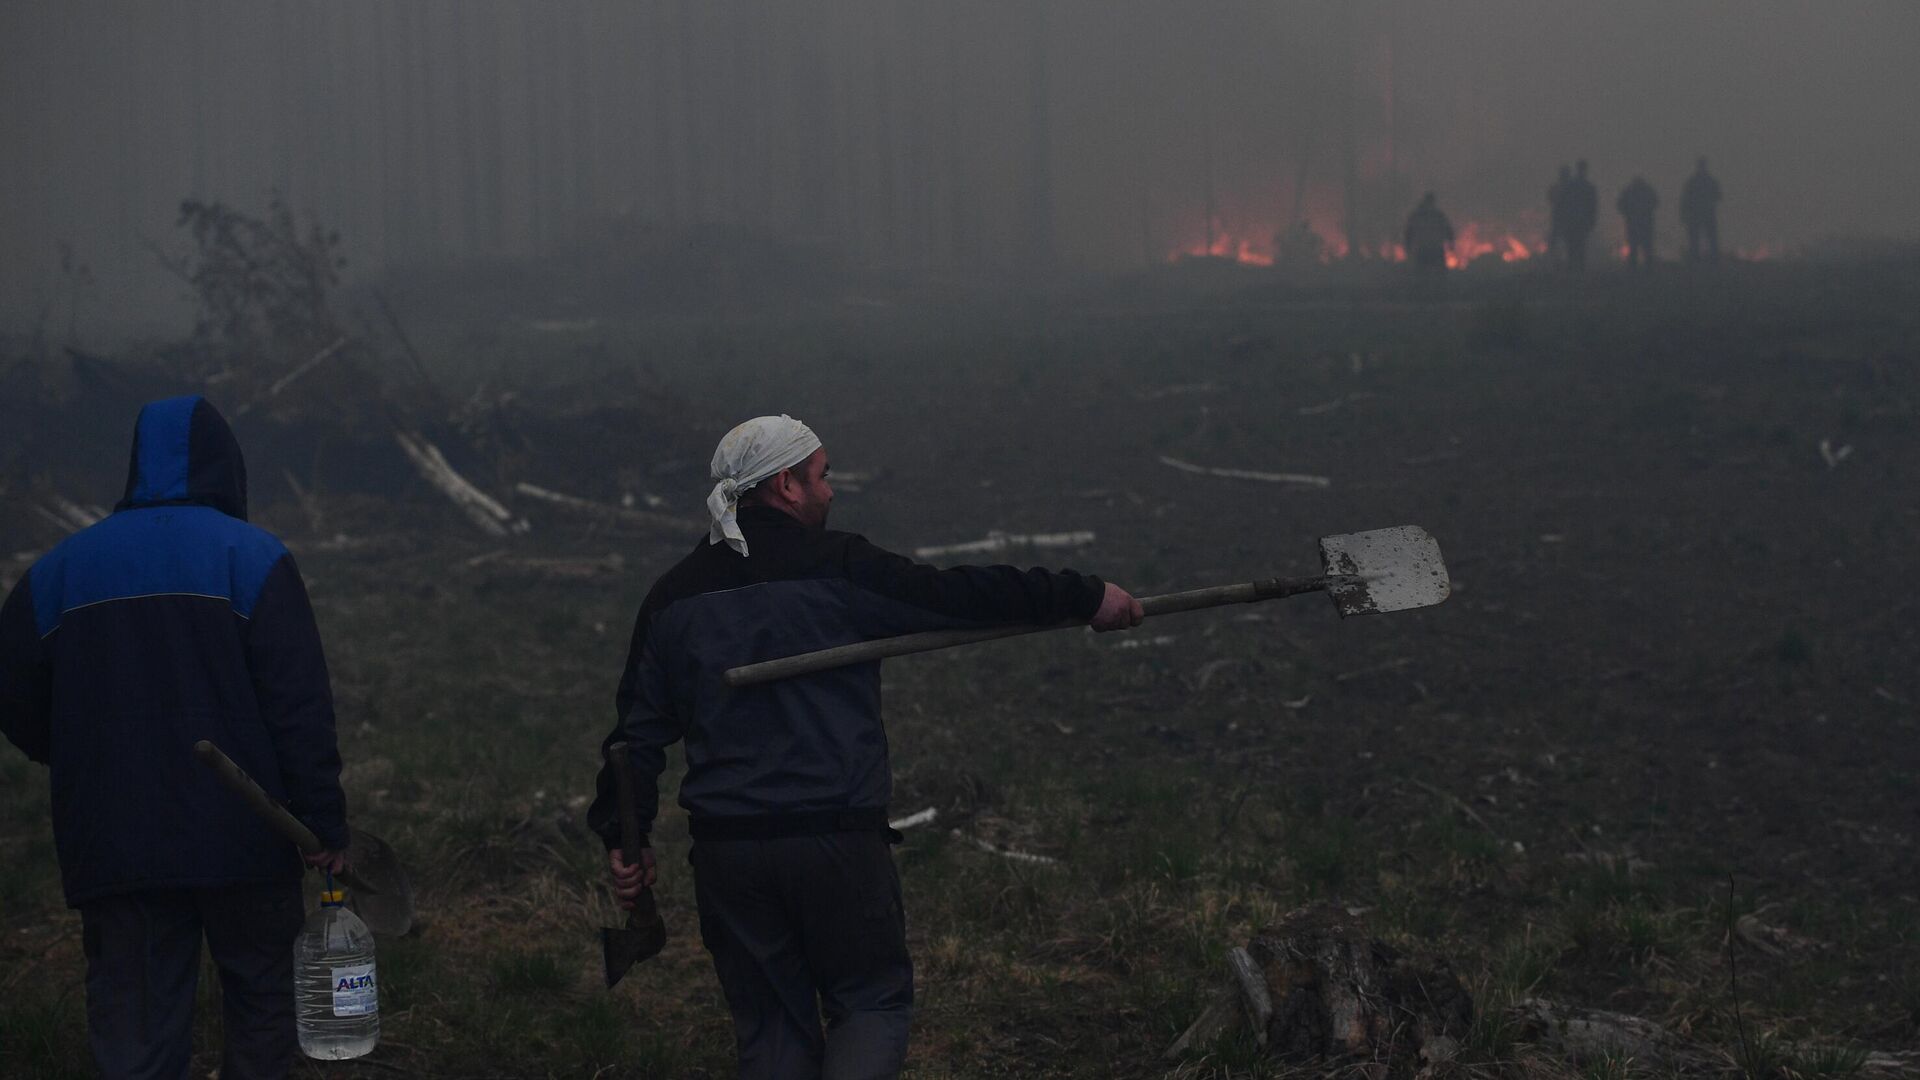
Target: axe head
x=1384 y=570
x=644 y=935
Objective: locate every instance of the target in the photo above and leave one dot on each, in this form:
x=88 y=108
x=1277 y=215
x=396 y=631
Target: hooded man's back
x=170 y=621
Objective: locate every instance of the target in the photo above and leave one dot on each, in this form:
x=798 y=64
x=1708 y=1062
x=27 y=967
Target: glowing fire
x=1473 y=241
x=1244 y=250
x=1324 y=243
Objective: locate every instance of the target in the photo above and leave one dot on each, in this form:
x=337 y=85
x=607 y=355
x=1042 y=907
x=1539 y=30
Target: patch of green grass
x=44 y=1035
x=1328 y=856
x=406 y=969
x=1763 y=1056
x=531 y=972
x=1609 y=1067
x=593 y=1031
x=1829 y=1061
x=1520 y=965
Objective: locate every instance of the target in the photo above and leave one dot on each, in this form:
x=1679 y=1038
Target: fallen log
x=997 y=541
x=293 y=376
x=497 y=565
x=1302 y=479
x=1584 y=1036
x=482 y=509
x=608 y=511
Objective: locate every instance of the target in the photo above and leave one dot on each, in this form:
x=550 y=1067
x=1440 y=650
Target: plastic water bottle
x=336 y=1000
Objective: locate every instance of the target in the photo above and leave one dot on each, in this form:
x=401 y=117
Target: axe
x=645 y=934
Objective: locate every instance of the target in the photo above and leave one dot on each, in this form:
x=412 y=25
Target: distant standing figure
x=1428 y=235
x=1700 y=213
x=1557 y=213
x=1581 y=213
x=1636 y=204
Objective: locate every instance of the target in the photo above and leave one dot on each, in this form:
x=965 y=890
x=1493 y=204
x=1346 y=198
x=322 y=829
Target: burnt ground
x=1680 y=668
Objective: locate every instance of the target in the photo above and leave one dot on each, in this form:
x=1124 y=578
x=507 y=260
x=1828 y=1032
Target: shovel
x=1366 y=573
x=645 y=934
x=382 y=895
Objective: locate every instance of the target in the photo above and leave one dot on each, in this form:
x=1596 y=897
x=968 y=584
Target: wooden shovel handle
x=243 y=785
x=880 y=648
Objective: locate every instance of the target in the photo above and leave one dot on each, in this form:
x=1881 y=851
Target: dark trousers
x=1707 y=231
x=805 y=927
x=1640 y=246
x=1576 y=251
x=143 y=966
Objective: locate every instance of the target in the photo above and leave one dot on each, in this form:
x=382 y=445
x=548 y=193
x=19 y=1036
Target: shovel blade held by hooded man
x=380 y=890
x=645 y=934
x=1366 y=573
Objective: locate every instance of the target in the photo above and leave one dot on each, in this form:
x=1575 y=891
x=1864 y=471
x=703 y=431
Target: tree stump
x=1336 y=993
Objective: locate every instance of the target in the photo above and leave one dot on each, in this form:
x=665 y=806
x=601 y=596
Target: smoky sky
x=923 y=135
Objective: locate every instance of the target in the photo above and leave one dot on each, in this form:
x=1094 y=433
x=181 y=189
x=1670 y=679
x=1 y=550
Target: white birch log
x=482 y=509
x=999 y=541
x=924 y=817
x=607 y=510
x=1302 y=479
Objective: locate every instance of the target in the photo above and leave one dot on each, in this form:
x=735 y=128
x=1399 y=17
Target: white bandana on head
x=747 y=455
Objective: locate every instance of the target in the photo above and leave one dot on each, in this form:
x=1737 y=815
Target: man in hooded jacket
x=787 y=783
x=170 y=621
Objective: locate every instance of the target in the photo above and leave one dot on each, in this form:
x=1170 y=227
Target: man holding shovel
x=787 y=783
x=172 y=621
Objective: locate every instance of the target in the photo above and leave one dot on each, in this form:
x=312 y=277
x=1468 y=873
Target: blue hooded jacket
x=171 y=621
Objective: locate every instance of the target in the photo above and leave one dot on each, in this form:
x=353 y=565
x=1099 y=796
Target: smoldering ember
x=1387 y=530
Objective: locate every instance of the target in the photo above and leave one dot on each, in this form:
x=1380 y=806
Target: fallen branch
x=924 y=817
x=851 y=482
x=608 y=510
x=1254 y=994
x=999 y=541
x=70 y=515
x=1454 y=801
x=290 y=377
x=1329 y=406
x=1588 y=1035
x=550 y=568
x=1222 y=1014
x=482 y=509
x=1303 y=479
x=1006 y=853
x=309 y=505
x=1159 y=392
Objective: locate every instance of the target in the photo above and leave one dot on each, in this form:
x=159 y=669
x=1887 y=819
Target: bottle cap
x=333 y=897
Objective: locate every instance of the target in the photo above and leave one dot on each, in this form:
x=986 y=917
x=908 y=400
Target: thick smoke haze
x=921 y=135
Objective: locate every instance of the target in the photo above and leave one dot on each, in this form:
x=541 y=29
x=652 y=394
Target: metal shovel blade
x=378 y=889
x=1391 y=570
x=644 y=935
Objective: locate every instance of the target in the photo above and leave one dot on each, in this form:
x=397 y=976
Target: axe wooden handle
x=241 y=784
x=622 y=767
x=880 y=648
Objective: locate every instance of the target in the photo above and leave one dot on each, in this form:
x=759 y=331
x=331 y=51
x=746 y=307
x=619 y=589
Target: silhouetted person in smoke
x=1581 y=211
x=1428 y=234
x=1636 y=205
x=1299 y=245
x=1557 y=213
x=1700 y=213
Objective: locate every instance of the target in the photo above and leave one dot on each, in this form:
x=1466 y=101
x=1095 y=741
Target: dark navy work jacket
x=171 y=621
x=811 y=744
